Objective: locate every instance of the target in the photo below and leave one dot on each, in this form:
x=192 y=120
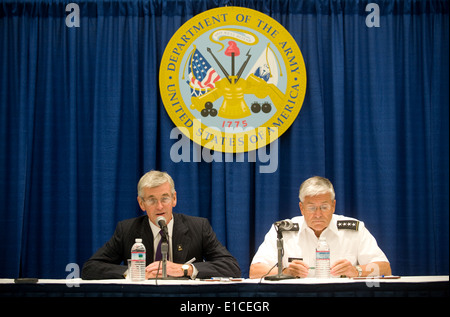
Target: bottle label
x=322 y=255
x=137 y=256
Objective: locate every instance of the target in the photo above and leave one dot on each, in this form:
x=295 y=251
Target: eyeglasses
x=323 y=208
x=153 y=201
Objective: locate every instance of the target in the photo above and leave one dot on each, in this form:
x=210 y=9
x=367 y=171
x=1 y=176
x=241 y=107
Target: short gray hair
x=154 y=179
x=314 y=186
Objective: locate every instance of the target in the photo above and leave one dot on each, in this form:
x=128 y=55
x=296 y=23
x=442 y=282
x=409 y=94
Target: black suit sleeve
x=106 y=262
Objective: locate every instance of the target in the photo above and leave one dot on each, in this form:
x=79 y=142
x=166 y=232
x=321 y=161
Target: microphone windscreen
x=161 y=221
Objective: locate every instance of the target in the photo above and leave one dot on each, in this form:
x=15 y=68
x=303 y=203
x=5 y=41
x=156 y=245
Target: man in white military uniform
x=353 y=250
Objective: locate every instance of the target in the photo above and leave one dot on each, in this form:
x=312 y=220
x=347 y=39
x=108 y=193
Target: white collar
x=332 y=226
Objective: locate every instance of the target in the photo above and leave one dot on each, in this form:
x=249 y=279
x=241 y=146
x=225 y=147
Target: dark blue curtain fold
x=81 y=119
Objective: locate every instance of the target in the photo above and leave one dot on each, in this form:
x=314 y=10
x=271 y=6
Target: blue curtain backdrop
x=81 y=119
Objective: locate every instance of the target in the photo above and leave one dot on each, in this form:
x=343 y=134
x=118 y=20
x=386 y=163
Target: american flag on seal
x=201 y=75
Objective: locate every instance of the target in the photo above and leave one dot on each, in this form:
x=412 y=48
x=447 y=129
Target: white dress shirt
x=357 y=246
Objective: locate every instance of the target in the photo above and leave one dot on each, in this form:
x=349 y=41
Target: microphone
x=161 y=221
x=280 y=226
x=286 y=225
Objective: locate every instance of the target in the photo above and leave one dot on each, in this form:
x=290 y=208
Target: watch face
x=185 y=268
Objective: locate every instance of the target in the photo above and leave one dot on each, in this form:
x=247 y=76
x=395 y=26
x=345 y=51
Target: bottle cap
x=138 y=240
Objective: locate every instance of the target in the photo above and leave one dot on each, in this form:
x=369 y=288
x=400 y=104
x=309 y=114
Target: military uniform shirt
x=347 y=238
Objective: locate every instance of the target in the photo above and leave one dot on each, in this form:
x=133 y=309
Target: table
x=415 y=286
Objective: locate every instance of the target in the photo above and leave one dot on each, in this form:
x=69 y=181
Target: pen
x=388 y=277
x=191 y=261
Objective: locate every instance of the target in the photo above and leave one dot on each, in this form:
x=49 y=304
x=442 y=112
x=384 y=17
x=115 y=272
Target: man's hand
x=172 y=269
x=297 y=268
x=343 y=267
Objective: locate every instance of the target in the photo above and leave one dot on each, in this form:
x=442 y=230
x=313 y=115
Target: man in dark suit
x=189 y=237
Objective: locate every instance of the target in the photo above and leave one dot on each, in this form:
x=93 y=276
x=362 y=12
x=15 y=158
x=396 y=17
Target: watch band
x=359 y=269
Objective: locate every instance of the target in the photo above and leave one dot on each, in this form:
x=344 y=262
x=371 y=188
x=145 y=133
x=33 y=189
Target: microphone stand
x=280 y=276
x=164 y=252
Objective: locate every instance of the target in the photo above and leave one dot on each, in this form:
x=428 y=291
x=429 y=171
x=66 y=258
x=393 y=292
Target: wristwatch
x=359 y=269
x=185 y=268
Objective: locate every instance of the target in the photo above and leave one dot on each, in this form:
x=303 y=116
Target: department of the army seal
x=232 y=79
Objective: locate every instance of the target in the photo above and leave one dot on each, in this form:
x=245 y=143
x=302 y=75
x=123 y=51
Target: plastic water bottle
x=138 y=261
x=322 y=259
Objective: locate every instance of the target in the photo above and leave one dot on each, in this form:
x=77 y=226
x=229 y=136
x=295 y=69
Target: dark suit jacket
x=192 y=237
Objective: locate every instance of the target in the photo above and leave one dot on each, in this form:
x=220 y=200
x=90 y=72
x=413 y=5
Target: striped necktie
x=158 y=254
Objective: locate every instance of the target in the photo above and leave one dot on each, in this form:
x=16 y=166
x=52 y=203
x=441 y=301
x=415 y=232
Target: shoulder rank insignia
x=348 y=224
